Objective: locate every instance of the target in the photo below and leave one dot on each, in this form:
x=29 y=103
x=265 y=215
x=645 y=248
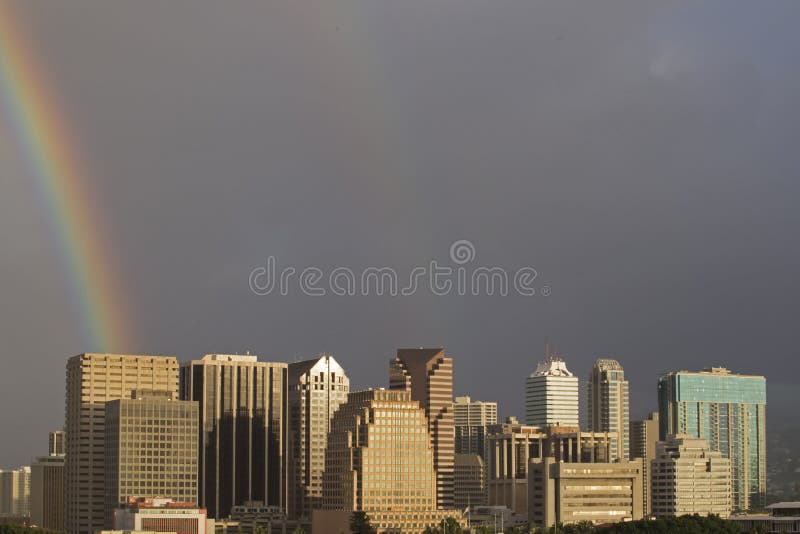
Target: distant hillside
x=783 y=462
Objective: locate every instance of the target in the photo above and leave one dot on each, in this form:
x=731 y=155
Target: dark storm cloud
x=639 y=155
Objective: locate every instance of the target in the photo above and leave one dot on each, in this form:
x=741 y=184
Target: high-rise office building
x=428 y=375
x=57 y=443
x=470 y=481
x=688 y=478
x=242 y=447
x=471 y=419
x=93 y=380
x=607 y=402
x=151 y=449
x=316 y=389
x=15 y=492
x=47 y=485
x=728 y=411
x=47 y=493
x=566 y=492
x=379 y=461
x=644 y=436
x=551 y=394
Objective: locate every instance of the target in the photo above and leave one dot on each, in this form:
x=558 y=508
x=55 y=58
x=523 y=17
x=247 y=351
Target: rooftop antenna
x=546 y=350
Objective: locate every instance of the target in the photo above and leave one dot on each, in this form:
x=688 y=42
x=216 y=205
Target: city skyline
x=297 y=260
x=635 y=155
x=503 y=412
x=128 y=407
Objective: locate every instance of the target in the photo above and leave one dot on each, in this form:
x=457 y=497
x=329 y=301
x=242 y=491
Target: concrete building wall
x=568 y=492
x=688 y=478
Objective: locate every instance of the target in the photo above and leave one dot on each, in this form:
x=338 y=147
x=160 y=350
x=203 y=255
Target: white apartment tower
x=316 y=389
x=551 y=394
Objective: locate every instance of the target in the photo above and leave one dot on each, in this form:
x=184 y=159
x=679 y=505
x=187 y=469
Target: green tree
x=359 y=523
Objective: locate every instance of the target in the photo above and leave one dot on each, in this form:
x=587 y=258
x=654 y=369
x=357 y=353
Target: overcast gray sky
x=641 y=156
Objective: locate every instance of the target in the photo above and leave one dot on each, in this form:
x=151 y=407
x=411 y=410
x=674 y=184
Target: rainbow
x=62 y=183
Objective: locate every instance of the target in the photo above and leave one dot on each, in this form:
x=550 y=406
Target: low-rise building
x=783 y=517
x=162 y=515
x=688 y=478
x=569 y=492
x=254 y=517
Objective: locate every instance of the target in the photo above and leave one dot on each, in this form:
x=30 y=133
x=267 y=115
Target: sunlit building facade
x=316 y=389
x=93 y=380
x=151 y=449
x=728 y=411
x=379 y=460
x=688 y=478
x=608 y=403
x=551 y=395
x=428 y=375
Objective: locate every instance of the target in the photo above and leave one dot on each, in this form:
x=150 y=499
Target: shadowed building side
x=243 y=430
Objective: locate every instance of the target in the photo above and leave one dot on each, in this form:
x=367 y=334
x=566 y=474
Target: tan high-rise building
x=644 y=437
x=688 y=478
x=151 y=449
x=567 y=492
x=470 y=477
x=472 y=419
x=608 y=403
x=242 y=442
x=47 y=486
x=316 y=389
x=428 y=375
x=15 y=491
x=379 y=461
x=93 y=380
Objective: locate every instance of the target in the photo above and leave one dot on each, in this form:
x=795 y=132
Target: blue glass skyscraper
x=728 y=411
